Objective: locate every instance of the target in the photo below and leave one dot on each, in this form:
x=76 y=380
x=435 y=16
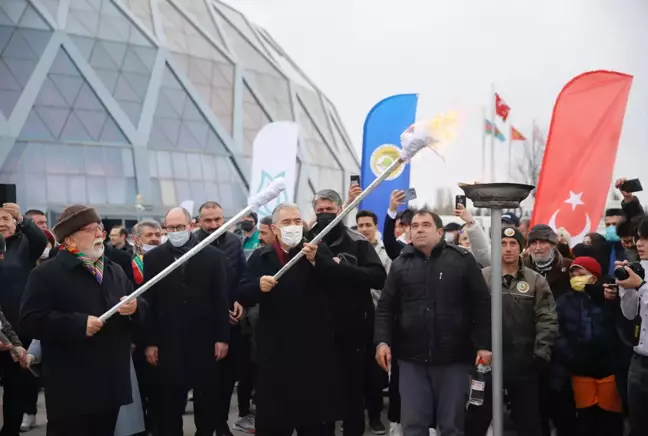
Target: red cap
x=589 y=264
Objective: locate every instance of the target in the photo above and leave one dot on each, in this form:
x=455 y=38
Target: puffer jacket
x=529 y=323
x=440 y=305
x=588 y=344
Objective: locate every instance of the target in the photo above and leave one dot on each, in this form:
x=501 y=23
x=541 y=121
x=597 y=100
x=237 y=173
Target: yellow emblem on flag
x=382 y=157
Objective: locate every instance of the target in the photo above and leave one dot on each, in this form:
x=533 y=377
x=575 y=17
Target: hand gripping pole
x=269 y=194
x=412 y=141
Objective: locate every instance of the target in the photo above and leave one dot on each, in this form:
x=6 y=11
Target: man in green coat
x=530 y=327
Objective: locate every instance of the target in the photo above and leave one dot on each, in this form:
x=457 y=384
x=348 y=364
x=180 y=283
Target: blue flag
x=381 y=146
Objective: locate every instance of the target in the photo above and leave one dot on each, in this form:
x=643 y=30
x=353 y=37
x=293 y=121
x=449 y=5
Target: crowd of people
x=405 y=310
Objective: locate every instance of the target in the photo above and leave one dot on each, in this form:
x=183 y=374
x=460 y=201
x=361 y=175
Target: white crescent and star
x=575 y=200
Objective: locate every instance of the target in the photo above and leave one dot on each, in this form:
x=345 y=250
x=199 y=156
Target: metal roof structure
x=117 y=103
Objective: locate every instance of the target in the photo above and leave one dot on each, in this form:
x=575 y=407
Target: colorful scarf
x=138 y=269
x=96 y=267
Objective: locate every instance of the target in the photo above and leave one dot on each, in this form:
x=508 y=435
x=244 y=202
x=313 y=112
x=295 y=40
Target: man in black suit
x=187 y=325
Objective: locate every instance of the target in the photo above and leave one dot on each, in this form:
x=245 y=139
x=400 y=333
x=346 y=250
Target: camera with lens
x=621 y=274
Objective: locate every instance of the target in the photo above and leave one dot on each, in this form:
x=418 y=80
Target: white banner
x=274 y=155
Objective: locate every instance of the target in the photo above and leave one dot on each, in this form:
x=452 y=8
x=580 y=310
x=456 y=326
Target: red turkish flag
x=501 y=108
x=581 y=151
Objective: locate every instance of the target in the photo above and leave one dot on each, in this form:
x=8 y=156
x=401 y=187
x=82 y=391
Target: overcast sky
x=360 y=51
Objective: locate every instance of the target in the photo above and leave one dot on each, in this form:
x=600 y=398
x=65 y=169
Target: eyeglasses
x=178 y=228
x=92 y=229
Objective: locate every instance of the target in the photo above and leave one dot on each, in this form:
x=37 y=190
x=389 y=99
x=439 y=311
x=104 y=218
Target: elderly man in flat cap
x=86 y=363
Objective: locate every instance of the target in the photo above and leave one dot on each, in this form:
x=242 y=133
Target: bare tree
x=444 y=202
x=528 y=167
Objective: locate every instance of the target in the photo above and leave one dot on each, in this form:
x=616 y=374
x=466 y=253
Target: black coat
x=187 y=314
x=298 y=380
x=230 y=245
x=441 y=306
x=81 y=375
x=360 y=270
x=24 y=248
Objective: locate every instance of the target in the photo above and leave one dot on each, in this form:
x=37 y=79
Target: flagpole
x=492 y=139
x=510 y=152
x=483 y=176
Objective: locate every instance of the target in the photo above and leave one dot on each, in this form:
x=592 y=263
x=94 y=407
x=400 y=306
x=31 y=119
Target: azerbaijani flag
x=491 y=129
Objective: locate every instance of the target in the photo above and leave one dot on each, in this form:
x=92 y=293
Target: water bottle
x=478 y=384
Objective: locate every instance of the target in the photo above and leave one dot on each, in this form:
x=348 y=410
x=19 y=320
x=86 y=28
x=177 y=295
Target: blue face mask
x=611 y=234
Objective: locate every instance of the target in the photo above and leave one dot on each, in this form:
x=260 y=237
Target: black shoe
x=376 y=426
x=223 y=430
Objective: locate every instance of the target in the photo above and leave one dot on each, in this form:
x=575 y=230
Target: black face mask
x=246 y=226
x=324 y=219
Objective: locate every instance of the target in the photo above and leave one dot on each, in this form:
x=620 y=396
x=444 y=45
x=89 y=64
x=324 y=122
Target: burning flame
x=437 y=132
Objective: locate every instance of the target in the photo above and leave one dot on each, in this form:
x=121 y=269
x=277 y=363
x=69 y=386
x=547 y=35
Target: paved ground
x=189 y=428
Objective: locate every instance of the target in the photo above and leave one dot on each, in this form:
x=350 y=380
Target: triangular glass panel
x=13 y=9
x=75 y=131
x=93 y=121
x=275 y=93
x=314 y=148
x=37 y=39
x=102 y=18
x=194 y=130
x=199 y=12
x=8 y=100
x=21 y=69
x=19 y=48
x=54 y=118
x=142 y=11
x=64 y=88
x=312 y=102
x=5 y=35
x=116 y=63
x=112 y=133
x=251 y=56
x=254 y=120
x=183 y=37
x=52 y=6
x=238 y=21
x=33 y=20
x=68 y=87
x=348 y=160
x=35 y=129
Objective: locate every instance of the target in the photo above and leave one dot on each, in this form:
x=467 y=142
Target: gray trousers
x=433 y=393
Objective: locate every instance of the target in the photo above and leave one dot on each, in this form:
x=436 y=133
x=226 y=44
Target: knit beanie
x=73 y=219
x=542 y=232
x=512 y=232
x=589 y=264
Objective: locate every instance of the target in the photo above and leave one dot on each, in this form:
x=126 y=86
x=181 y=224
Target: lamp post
x=497 y=196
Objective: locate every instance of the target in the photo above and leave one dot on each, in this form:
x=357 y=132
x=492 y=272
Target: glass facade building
x=134 y=106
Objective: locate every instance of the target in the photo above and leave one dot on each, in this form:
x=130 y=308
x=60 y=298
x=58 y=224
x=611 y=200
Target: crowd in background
x=405 y=310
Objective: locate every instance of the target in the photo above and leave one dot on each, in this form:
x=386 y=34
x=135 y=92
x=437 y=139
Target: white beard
x=96 y=251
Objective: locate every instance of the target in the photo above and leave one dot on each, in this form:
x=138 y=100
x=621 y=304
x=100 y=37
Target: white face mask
x=178 y=239
x=46 y=253
x=291 y=235
x=147 y=247
x=164 y=239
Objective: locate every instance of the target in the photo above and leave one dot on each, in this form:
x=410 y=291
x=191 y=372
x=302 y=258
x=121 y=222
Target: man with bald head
x=187 y=325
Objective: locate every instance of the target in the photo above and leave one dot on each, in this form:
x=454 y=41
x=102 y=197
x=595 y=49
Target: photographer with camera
x=633 y=292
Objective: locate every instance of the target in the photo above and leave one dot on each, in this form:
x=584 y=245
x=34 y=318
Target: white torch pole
x=412 y=143
x=269 y=194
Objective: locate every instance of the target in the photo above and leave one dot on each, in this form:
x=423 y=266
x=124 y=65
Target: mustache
x=98 y=241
